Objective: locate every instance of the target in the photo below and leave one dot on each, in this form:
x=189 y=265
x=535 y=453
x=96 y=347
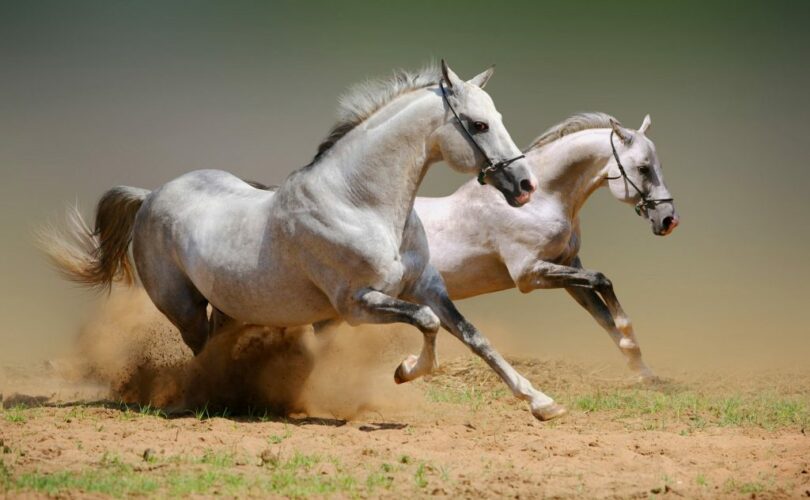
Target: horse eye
x=480 y=126
x=644 y=169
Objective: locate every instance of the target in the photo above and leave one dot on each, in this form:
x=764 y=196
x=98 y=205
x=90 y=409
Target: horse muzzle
x=667 y=225
x=516 y=183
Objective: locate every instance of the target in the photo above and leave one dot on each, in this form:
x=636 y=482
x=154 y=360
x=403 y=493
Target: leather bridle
x=645 y=203
x=491 y=166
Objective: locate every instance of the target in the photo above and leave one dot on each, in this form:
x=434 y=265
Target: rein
x=491 y=167
x=645 y=203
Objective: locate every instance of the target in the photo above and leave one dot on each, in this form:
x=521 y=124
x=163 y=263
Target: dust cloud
x=130 y=349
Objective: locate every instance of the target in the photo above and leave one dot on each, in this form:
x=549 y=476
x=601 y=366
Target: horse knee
x=427 y=321
x=601 y=282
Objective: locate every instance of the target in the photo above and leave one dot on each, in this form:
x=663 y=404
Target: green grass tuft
x=217 y=459
x=419 y=477
x=298 y=476
x=149 y=410
x=16 y=414
x=769 y=411
x=471 y=396
x=278 y=438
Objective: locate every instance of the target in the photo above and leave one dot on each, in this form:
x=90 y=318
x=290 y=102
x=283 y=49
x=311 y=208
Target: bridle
x=646 y=203
x=492 y=166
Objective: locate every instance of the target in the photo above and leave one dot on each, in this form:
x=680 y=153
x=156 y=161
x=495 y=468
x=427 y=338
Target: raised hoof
x=404 y=370
x=550 y=412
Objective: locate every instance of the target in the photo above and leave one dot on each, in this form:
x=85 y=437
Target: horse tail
x=96 y=258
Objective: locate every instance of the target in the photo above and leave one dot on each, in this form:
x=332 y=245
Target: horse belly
x=474 y=276
x=278 y=302
x=264 y=287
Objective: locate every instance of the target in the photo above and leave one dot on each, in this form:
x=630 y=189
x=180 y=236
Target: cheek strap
x=491 y=167
x=645 y=203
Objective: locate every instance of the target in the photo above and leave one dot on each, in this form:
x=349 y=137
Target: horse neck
x=572 y=167
x=381 y=163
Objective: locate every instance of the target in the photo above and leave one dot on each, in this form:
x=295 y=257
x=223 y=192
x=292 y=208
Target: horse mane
x=364 y=99
x=574 y=123
x=260 y=185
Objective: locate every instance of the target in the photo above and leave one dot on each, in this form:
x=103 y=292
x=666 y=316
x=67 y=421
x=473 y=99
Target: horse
x=338 y=240
x=480 y=246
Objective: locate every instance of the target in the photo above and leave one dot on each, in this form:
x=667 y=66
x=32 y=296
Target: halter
x=645 y=203
x=491 y=167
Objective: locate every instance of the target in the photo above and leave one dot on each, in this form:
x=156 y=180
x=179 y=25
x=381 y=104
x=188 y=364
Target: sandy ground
x=88 y=424
x=442 y=441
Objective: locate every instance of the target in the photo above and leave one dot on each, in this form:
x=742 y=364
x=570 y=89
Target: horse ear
x=622 y=133
x=481 y=79
x=450 y=77
x=645 y=125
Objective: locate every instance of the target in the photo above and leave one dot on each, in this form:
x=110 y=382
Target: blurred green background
x=95 y=94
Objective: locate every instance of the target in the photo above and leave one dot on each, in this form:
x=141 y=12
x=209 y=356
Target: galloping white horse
x=338 y=239
x=480 y=246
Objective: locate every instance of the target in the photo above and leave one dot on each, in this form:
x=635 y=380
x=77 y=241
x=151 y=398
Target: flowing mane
x=574 y=123
x=364 y=99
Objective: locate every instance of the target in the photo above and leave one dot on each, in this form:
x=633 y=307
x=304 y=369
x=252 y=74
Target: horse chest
x=551 y=237
x=568 y=250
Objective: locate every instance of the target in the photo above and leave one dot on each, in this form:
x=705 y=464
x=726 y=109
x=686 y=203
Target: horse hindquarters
x=165 y=281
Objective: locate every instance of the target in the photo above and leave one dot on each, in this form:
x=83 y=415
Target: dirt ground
x=261 y=414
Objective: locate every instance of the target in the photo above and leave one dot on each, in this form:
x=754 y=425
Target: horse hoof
x=550 y=412
x=404 y=372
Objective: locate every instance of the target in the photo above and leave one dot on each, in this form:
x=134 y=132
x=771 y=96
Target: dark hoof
x=399 y=377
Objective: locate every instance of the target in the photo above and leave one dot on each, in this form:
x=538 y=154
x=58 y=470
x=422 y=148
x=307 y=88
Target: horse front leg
x=372 y=306
x=586 y=287
x=432 y=292
x=594 y=304
x=415 y=366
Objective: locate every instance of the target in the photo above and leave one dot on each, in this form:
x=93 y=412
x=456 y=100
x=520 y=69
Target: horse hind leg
x=192 y=321
x=218 y=322
x=187 y=310
x=600 y=312
x=175 y=296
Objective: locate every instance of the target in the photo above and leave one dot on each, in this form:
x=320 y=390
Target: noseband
x=646 y=203
x=492 y=166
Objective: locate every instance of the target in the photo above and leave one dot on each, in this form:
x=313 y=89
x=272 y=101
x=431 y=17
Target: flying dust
x=128 y=352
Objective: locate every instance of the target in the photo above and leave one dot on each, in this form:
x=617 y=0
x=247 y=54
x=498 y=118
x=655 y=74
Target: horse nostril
x=667 y=222
x=527 y=185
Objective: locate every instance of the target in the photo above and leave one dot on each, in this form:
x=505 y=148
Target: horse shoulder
x=541 y=230
x=571 y=249
x=545 y=233
x=414 y=251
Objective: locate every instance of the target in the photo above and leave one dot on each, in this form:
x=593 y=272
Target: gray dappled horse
x=479 y=245
x=337 y=240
